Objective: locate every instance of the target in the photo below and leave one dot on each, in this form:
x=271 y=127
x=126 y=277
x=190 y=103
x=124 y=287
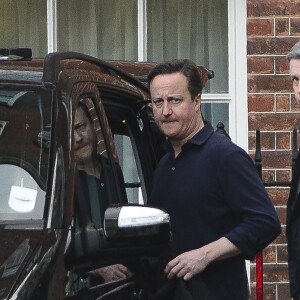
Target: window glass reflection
x=215 y=113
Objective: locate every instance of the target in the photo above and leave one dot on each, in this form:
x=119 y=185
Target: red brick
x=268 y=175
x=281 y=239
x=279 y=196
x=275 y=273
x=281 y=27
x=281 y=212
x=261 y=103
x=253 y=271
x=267 y=8
x=269 y=84
x=281 y=65
x=269 y=291
x=260 y=52
x=295 y=107
x=270 y=46
x=267 y=141
x=295 y=26
x=297 y=137
x=260 y=65
x=276 y=159
x=272 y=122
x=269 y=254
x=283 y=291
x=282 y=103
x=271 y=273
x=251 y=141
x=283 y=175
x=283 y=140
x=282 y=254
x=260 y=27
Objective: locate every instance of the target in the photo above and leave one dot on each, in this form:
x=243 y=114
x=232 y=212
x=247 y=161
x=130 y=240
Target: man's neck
x=91 y=167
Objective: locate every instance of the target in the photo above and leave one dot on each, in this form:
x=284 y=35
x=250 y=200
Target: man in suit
x=293 y=205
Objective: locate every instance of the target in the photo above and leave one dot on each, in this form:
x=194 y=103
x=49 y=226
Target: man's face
x=295 y=75
x=175 y=112
x=84 y=137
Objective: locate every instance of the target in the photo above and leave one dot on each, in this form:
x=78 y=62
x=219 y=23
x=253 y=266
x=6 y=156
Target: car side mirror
x=128 y=231
x=136 y=221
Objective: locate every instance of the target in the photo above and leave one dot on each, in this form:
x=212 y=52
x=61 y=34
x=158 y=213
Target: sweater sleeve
x=244 y=192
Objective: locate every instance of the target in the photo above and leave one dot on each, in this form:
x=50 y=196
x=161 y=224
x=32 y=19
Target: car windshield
x=25 y=128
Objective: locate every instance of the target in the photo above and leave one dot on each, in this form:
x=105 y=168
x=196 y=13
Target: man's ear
x=198 y=102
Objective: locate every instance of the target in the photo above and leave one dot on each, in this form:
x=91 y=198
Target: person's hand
x=190 y=263
x=187 y=264
x=111 y=273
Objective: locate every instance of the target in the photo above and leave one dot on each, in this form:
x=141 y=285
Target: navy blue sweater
x=212 y=190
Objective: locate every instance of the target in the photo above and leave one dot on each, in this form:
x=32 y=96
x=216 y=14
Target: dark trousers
x=193 y=289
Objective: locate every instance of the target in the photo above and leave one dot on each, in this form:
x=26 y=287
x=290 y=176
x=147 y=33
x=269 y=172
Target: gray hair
x=295 y=52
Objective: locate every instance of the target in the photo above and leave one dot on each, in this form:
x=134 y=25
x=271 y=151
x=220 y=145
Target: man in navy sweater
x=220 y=212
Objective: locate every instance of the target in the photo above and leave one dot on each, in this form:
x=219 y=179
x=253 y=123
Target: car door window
x=25 y=131
x=124 y=145
x=21 y=197
x=97 y=179
x=99 y=184
x=135 y=147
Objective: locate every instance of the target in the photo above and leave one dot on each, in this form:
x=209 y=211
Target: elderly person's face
x=84 y=138
x=295 y=75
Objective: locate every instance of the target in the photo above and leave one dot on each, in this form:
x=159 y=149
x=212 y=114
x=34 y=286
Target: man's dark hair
x=183 y=66
x=295 y=52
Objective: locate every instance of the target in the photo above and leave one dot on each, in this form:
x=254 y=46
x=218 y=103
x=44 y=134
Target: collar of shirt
x=198 y=139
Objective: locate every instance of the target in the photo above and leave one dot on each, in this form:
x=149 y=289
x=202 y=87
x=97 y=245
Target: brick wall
x=273 y=28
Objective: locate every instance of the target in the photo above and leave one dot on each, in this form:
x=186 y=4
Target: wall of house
x=273 y=28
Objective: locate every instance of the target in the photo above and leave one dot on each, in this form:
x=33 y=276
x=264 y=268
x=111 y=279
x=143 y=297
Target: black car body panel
x=48 y=242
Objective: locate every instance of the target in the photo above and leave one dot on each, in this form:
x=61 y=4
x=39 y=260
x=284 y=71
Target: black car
x=78 y=147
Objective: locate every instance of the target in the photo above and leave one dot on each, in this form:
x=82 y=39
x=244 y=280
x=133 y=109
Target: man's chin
x=171 y=135
x=83 y=158
x=168 y=129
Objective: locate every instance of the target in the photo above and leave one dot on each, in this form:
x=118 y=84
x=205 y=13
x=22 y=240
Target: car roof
x=29 y=71
x=46 y=71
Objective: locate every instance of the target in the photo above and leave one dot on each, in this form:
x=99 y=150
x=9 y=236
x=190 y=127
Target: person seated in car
x=95 y=170
x=96 y=182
